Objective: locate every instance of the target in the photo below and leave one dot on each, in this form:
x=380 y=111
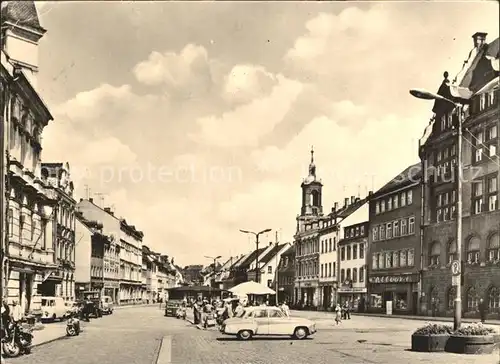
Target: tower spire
x=312 y=166
x=312 y=154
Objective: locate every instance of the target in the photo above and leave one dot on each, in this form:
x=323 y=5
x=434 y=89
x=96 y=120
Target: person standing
x=285 y=309
x=347 y=310
x=482 y=310
x=338 y=314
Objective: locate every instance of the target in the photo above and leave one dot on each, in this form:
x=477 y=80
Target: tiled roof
x=271 y=254
x=411 y=174
x=21 y=12
x=289 y=251
x=350 y=209
x=246 y=263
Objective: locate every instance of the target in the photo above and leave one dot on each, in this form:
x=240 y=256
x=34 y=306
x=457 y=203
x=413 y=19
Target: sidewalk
x=49 y=333
x=323 y=314
x=137 y=306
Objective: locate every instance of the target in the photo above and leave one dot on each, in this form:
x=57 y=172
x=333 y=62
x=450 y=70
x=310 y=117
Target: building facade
x=90 y=252
x=306 y=241
x=352 y=249
x=395 y=241
x=477 y=88
x=131 y=290
x=61 y=282
x=328 y=260
x=27 y=240
x=286 y=275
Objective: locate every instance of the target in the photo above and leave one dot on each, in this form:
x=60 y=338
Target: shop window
x=494 y=299
x=435 y=254
x=494 y=248
x=472 y=300
x=473 y=247
x=375 y=300
x=401 y=301
x=450 y=298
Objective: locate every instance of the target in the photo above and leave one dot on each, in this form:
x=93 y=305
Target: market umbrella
x=251 y=287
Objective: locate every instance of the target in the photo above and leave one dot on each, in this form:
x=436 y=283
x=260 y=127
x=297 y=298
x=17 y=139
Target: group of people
x=342 y=312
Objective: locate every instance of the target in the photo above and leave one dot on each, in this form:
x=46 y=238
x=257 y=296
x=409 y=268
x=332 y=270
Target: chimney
x=370 y=193
x=91 y=200
x=270 y=243
x=353 y=199
x=109 y=211
x=346 y=202
x=479 y=39
x=335 y=206
x=357 y=199
x=81 y=199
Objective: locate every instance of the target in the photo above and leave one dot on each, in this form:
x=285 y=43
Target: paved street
x=134 y=336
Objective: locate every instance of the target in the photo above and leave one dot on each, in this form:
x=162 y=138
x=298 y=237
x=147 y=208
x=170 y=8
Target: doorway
x=414 y=301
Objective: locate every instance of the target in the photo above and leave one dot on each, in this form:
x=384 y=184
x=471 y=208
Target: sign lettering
x=394 y=279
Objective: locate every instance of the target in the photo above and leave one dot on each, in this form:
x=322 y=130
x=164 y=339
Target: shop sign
x=351 y=290
x=394 y=279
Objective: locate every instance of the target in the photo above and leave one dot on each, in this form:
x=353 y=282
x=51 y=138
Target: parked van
x=53 y=308
x=107 y=305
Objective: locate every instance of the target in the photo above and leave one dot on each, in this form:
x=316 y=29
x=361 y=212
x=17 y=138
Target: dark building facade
x=395 y=241
x=286 y=275
x=480 y=210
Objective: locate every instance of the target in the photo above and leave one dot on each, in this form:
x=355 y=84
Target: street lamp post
x=256 y=249
x=421 y=94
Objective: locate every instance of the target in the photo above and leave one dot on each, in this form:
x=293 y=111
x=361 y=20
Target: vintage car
x=173 y=308
x=271 y=321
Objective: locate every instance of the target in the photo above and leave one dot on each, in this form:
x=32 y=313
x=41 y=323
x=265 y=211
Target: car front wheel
x=300 y=333
x=245 y=335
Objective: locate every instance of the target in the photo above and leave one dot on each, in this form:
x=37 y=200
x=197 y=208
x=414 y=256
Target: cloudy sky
x=196 y=119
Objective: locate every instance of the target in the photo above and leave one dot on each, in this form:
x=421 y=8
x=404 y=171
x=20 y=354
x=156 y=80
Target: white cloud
x=247 y=124
x=247 y=82
x=187 y=71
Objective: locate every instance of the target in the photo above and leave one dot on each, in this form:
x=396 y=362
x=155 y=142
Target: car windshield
x=275 y=313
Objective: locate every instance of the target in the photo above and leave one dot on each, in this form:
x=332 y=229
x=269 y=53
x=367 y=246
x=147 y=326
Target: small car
x=107 y=305
x=53 y=308
x=172 y=308
x=267 y=321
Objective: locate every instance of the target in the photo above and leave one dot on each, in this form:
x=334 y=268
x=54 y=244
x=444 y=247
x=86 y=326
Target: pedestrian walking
x=482 y=310
x=347 y=310
x=338 y=314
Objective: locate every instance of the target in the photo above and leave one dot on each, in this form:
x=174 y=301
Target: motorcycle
x=73 y=325
x=17 y=341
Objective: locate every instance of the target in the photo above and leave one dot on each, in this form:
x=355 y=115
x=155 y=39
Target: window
x=377 y=208
x=357 y=230
x=381 y=261
x=322 y=270
x=388 y=260
x=409 y=197
x=395 y=201
x=395 y=259
x=329 y=269
x=494 y=299
x=334 y=265
x=382 y=232
x=361 y=274
x=477 y=196
x=492 y=192
x=375 y=261
x=491 y=140
x=348 y=274
x=411 y=225
x=362 y=230
x=403 y=199
x=260 y=313
x=275 y=313
x=342 y=275
x=389 y=230
x=494 y=248
x=396 y=231
x=342 y=253
x=472 y=300
x=435 y=254
x=478 y=150
x=10 y=219
x=375 y=233
x=445 y=207
x=361 y=251
x=355 y=251
x=452 y=251
x=330 y=244
x=269 y=269
x=491 y=132
x=450 y=298
x=382 y=206
x=404 y=227
x=349 y=253
x=389 y=204
x=473 y=250
x=410 y=258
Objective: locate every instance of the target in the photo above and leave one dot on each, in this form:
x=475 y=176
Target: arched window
x=494 y=248
x=348 y=277
x=342 y=275
x=472 y=300
x=450 y=298
x=494 y=299
x=452 y=251
x=348 y=252
x=473 y=247
x=354 y=274
x=435 y=253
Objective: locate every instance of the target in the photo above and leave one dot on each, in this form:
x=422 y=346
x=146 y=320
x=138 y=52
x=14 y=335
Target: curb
x=50 y=341
x=134 y=306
